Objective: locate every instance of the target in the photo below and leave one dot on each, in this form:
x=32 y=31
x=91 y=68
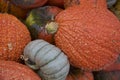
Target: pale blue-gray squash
x=48 y=60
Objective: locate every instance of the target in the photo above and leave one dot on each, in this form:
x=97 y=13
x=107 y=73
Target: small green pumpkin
x=49 y=61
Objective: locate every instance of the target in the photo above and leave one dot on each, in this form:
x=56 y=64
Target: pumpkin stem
x=29 y=63
x=51 y=27
x=23 y=58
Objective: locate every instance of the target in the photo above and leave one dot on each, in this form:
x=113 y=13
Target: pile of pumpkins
x=59 y=39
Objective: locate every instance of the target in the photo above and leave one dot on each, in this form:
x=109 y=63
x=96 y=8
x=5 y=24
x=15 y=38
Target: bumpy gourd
x=14 y=35
x=10 y=70
x=49 y=61
x=89 y=35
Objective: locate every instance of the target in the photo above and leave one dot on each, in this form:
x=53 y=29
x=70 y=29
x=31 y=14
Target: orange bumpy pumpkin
x=10 y=70
x=13 y=37
x=89 y=34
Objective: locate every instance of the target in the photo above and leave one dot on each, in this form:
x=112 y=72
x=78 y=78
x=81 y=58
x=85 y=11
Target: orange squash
x=89 y=35
x=10 y=70
x=14 y=35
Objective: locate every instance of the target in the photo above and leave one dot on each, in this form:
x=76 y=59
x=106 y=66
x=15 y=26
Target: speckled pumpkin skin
x=89 y=34
x=13 y=37
x=10 y=70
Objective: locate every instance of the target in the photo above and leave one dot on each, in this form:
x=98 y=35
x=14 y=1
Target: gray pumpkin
x=49 y=61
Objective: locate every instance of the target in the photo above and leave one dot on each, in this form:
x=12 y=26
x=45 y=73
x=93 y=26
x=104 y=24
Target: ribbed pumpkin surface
x=13 y=37
x=89 y=34
x=10 y=70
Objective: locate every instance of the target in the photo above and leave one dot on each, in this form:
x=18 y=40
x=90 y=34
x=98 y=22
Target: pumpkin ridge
x=27 y=50
x=39 y=50
x=30 y=46
x=61 y=68
x=56 y=73
x=31 y=50
x=54 y=60
x=50 y=60
x=60 y=78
